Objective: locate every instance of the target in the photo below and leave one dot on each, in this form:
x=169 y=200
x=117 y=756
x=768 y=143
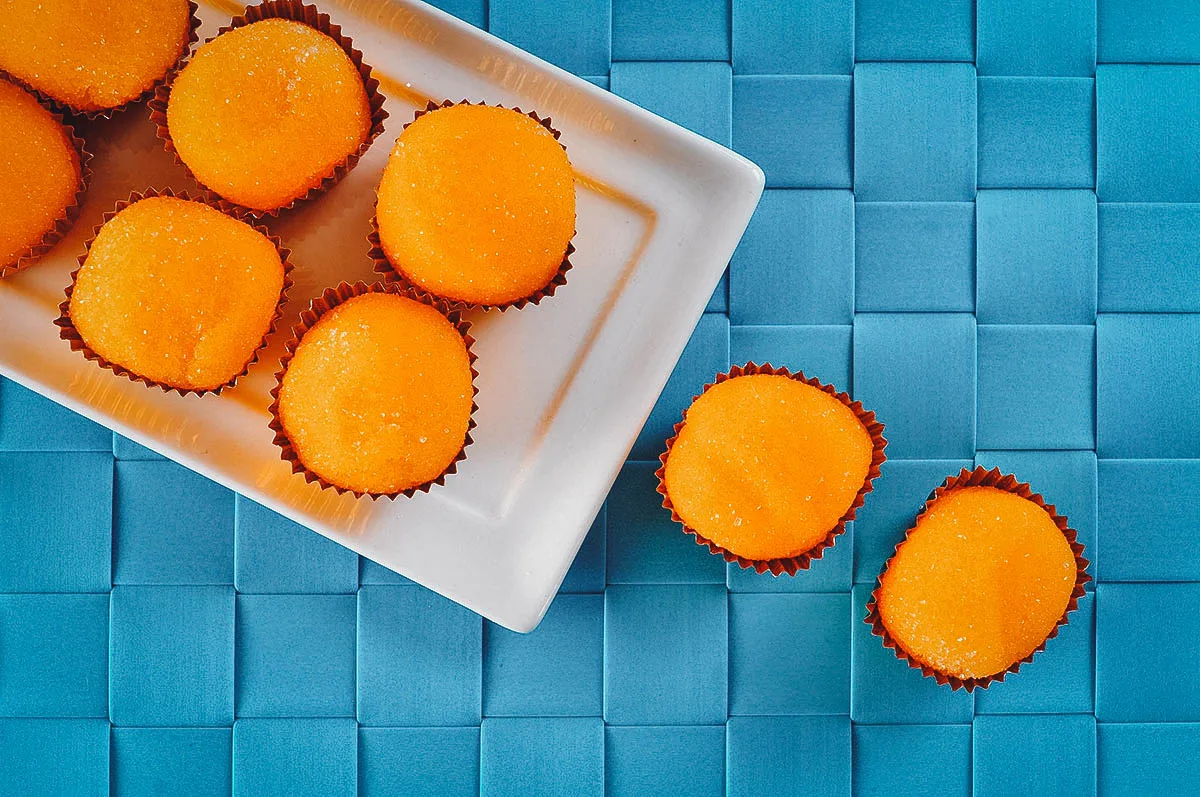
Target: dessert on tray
x=93 y=57
x=176 y=292
x=273 y=110
x=477 y=206
x=377 y=394
x=37 y=205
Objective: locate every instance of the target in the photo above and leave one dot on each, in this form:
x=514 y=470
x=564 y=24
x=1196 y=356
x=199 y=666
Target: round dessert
x=477 y=205
x=980 y=582
x=765 y=465
x=263 y=113
x=378 y=397
x=178 y=293
x=93 y=56
x=32 y=200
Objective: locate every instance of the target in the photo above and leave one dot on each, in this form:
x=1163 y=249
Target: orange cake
x=378 y=396
x=177 y=292
x=766 y=466
x=981 y=581
x=263 y=113
x=477 y=205
x=93 y=56
x=39 y=173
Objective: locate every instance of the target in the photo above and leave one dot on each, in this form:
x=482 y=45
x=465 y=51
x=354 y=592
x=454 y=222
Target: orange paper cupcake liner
x=63 y=225
x=295 y=11
x=69 y=333
x=331 y=298
x=108 y=113
x=393 y=273
x=792 y=564
x=981 y=477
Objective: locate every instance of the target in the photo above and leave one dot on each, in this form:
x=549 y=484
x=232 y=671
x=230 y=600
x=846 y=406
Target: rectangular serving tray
x=564 y=387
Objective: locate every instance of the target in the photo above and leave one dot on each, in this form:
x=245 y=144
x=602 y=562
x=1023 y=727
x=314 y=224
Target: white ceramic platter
x=564 y=387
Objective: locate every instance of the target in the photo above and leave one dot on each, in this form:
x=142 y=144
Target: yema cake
x=378 y=396
x=34 y=202
x=981 y=581
x=769 y=466
x=477 y=205
x=265 y=113
x=177 y=292
x=93 y=56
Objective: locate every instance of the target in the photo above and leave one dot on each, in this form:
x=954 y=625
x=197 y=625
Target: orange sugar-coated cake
x=766 y=466
x=979 y=584
x=477 y=204
x=177 y=292
x=39 y=172
x=263 y=113
x=91 y=55
x=378 y=396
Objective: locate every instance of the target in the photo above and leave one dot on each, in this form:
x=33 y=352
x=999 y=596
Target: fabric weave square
x=1140 y=630
x=665 y=760
x=802 y=37
x=541 y=756
x=914 y=30
x=666 y=655
x=419 y=659
x=1147 y=354
x=171 y=656
x=797 y=128
x=1037 y=37
x=555 y=671
x=912 y=759
x=172 y=526
x=52 y=757
x=914 y=132
x=153 y=761
x=796 y=263
x=1036 y=257
x=30 y=422
x=54 y=655
x=1051 y=755
x=788 y=754
x=295 y=655
x=914 y=256
x=1036 y=132
x=770 y=673
x=916 y=371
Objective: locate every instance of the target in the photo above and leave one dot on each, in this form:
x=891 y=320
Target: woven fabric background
x=978 y=218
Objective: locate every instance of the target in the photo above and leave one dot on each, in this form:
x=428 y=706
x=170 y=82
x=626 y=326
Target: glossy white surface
x=563 y=387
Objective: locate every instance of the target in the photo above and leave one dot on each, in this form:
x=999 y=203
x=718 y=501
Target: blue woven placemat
x=978 y=219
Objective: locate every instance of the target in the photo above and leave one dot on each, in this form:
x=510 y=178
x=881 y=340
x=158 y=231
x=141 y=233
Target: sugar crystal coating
x=477 y=204
x=765 y=465
x=92 y=55
x=981 y=581
x=378 y=396
x=263 y=113
x=177 y=292
x=39 y=172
